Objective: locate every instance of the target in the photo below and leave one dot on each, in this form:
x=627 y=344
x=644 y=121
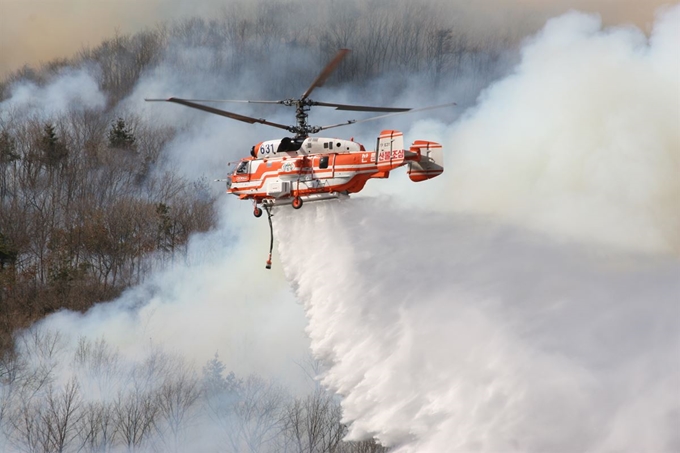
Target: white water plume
x=449 y=333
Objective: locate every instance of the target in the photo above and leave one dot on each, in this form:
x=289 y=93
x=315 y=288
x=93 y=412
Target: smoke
x=579 y=140
x=34 y=31
x=582 y=139
x=213 y=302
x=218 y=299
x=530 y=301
x=69 y=90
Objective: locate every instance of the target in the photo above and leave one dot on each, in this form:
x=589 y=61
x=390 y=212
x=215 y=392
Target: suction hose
x=271 y=236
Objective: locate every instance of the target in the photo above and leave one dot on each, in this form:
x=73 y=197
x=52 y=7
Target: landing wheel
x=257 y=212
x=297 y=202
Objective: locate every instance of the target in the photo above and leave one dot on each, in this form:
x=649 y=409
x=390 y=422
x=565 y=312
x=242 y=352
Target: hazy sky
x=34 y=31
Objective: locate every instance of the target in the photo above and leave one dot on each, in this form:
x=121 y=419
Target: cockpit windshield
x=242 y=168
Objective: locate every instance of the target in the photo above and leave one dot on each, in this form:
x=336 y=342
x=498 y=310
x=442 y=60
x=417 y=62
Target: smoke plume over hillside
x=582 y=138
x=526 y=300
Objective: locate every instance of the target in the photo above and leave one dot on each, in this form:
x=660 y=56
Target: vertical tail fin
x=388 y=142
x=431 y=162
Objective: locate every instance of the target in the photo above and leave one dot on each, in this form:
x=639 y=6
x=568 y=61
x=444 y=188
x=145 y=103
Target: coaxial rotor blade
x=360 y=108
x=373 y=118
x=327 y=71
x=233 y=116
x=233 y=101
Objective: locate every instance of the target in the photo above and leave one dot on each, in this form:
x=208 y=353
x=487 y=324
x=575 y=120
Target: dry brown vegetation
x=82 y=216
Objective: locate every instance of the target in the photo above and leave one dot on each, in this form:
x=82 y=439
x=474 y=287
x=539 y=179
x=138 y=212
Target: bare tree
x=313 y=423
x=97 y=428
x=41 y=350
x=61 y=416
x=134 y=417
x=257 y=414
x=27 y=432
x=362 y=446
x=177 y=399
x=98 y=362
x=249 y=411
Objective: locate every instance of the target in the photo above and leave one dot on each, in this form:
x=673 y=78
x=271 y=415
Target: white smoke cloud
x=70 y=89
x=582 y=139
x=221 y=299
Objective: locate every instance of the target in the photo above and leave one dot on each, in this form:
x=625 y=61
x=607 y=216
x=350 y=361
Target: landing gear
x=257 y=212
x=297 y=202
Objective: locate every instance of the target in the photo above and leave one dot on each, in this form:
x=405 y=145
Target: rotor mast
x=301 y=113
x=303 y=105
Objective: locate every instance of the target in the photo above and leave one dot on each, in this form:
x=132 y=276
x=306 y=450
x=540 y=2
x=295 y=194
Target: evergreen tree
x=213 y=379
x=121 y=136
x=221 y=392
x=8 y=254
x=54 y=151
x=8 y=147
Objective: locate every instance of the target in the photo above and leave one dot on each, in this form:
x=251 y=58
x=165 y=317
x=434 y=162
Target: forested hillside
x=88 y=206
x=83 y=215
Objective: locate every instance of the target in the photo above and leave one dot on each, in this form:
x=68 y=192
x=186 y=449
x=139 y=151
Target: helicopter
x=298 y=169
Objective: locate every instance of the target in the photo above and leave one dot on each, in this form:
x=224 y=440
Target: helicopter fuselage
x=315 y=168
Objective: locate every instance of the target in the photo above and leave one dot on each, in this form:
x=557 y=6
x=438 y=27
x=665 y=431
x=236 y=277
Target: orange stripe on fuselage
x=362 y=166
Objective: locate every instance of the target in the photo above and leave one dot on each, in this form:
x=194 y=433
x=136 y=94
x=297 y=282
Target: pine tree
x=121 y=136
x=213 y=379
x=8 y=147
x=8 y=254
x=54 y=151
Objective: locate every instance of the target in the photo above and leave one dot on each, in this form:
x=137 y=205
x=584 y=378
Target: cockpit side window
x=323 y=162
x=242 y=168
